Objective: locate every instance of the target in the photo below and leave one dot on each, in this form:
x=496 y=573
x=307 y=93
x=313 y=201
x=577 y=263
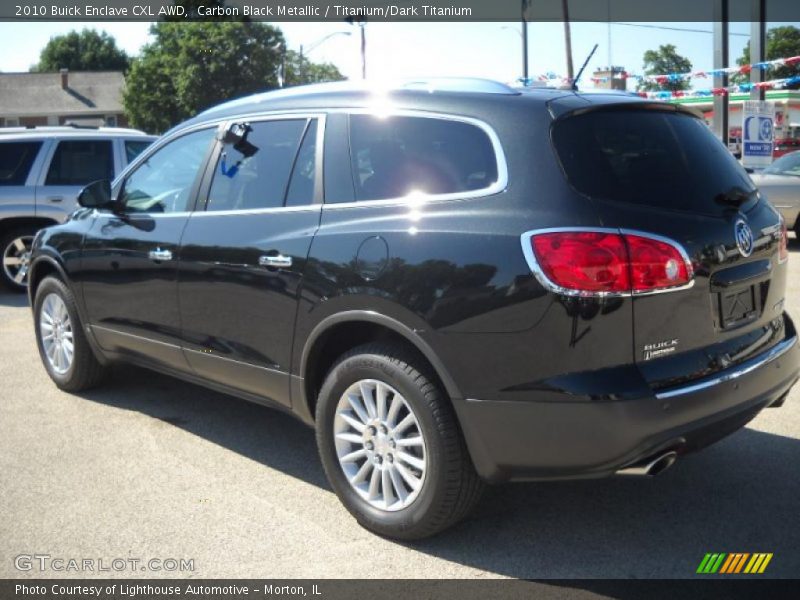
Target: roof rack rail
x=71 y=125
x=79 y=126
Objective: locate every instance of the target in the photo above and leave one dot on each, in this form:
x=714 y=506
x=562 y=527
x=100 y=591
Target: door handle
x=159 y=255
x=55 y=198
x=277 y=260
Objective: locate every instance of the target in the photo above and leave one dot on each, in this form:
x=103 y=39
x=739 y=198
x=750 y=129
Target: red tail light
x=585 y=261
x=606 y=262
x=783 y=248
x=656 y=264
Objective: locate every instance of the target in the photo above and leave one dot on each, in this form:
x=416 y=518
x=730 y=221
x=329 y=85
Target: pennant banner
x=677 y=77
x=554 y=78
x=774 y=84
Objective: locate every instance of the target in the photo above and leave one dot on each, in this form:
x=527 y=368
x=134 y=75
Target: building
x=787 y=111
x=610 y=78
x=91 y=98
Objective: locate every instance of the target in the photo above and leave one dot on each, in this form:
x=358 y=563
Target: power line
x=673 y=28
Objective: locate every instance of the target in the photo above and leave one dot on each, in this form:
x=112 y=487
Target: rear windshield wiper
x=734 y=197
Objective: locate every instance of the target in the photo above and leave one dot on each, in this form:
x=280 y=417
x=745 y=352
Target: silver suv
x=42 y=169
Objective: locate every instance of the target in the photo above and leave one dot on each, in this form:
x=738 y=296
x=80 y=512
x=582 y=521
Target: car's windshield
x=786 y=165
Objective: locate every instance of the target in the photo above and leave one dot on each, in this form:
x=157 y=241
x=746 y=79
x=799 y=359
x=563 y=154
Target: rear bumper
x=582 y=438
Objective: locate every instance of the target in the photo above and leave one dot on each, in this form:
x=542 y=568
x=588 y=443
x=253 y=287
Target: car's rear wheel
x=63 y=348
x=16 y=253
x=391 y=446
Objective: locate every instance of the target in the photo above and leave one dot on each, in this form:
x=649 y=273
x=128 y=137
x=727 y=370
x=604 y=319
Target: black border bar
x=390 y=10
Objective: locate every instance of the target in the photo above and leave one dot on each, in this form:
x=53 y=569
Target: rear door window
x=255 y=173
x=401 y=155
x=16 y=160
x=651 y=158
x=301 y=186
x=78 y=162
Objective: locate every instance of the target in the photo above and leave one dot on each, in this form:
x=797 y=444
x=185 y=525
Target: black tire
x=85 y=371
x=8 y=250
x=451 y=487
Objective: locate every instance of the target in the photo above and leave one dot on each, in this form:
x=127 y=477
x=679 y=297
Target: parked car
x=784 y=146
x=453 y=281
x=42 y=169
x=780 y=183
x=735 y=146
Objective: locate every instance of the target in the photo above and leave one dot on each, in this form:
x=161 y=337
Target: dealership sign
x=758 y=127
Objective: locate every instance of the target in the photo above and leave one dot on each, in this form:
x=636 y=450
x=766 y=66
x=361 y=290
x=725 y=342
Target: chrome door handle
x=278 y=260
x=159 y=255
x=55 y=198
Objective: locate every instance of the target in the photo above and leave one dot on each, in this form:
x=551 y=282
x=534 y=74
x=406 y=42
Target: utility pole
x=362 y=23
x=758 y=45
x=721 y=22
x=568 y=41
x=524 y=24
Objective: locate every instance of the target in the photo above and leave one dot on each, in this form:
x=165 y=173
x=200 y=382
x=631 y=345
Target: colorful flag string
x=553 y=78
x=678 y=77
x=774 y=84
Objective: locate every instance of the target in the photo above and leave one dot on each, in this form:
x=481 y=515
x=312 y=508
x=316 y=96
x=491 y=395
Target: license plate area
x=739 y=306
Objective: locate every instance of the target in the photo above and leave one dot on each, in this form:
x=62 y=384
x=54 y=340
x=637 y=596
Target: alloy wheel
x=55 y=330
x=16 y=259
x=380 y=445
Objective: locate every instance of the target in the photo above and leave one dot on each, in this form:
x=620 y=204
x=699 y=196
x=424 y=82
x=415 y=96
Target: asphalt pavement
x=150 y=468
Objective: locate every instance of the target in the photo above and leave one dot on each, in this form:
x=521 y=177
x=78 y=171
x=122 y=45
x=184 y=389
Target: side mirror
x=96 y=195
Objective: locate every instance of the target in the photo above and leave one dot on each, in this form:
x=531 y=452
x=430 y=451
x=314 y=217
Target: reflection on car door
x=242 y=258
x=129 y=265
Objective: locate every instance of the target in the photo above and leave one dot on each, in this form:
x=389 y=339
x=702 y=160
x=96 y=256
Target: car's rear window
x=649 y=157
x=16 y=159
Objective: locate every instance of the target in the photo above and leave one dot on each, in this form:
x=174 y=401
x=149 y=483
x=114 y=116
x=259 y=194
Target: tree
x=88 y=50
x=782 y=42
x=665 y=61
x=300 y=70
x=191 y=66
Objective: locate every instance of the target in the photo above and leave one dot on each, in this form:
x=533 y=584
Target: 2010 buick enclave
x=452 y=281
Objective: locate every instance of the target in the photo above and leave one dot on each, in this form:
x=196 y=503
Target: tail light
x=783 y=247
x=606 y=262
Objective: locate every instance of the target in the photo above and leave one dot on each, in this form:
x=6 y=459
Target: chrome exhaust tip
x=651 y=467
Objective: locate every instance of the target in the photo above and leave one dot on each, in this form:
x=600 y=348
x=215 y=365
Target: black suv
x=452 y=281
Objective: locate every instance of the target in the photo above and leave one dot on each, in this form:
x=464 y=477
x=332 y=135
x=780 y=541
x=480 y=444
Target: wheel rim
x=17 y=258
x=380 y=445
x=55 y=332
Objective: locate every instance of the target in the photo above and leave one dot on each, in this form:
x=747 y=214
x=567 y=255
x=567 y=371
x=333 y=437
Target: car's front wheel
x=15 y=246
x=391 y=446
x=63 y=348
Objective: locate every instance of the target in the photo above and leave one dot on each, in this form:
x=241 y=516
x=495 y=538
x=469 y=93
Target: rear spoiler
x=577 y=104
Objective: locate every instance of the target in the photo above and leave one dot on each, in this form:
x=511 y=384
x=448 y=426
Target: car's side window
x=164 y=181
x=301 y=186
x=255 y=172
x=401 y=155
x=78 y=162
x=134 y=148
x=16 y=160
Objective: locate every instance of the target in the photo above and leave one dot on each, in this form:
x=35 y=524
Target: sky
x=491 y=50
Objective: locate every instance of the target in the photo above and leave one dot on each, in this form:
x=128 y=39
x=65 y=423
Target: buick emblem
x=744 y=238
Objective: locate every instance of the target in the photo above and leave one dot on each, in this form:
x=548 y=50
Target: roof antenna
x=586 y=62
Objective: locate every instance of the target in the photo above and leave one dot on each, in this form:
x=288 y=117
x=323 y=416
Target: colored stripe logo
x=735 y=562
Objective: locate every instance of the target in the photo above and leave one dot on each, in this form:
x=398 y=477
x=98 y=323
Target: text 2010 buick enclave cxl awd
x=452 y=281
